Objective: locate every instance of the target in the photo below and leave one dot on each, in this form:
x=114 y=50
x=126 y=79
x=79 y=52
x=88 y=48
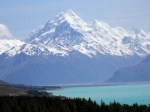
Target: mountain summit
x=68 y=32
x=69 y=50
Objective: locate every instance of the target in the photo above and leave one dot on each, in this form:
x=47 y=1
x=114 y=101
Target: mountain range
x=68 y=50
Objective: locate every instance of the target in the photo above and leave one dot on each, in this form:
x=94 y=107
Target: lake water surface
x=124 y=94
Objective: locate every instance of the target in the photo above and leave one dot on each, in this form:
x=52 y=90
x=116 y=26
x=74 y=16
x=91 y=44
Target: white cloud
x=4 y=32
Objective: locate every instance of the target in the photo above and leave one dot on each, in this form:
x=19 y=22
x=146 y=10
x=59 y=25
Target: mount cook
x=68 y=50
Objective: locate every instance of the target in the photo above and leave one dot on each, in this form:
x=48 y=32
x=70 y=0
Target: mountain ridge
x=95 y=37
x=69 y=50
x=137 y=73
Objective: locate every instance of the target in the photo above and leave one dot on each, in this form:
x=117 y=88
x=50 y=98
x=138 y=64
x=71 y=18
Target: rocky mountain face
x=68 y=50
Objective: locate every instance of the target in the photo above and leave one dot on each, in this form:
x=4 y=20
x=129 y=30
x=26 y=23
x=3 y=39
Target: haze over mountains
x=68 y=50
x=138 y=73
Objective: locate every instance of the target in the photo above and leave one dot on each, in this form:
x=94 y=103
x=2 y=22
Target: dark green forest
x=62 y=104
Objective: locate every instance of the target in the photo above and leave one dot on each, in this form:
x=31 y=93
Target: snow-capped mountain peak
x=68 y=32
x=68 y=15
x=101 y=24
x=69 y=50
x=64 y=23
x=70 y=18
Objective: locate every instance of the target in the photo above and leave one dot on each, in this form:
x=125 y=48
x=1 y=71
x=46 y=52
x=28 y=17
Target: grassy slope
x=9 y=90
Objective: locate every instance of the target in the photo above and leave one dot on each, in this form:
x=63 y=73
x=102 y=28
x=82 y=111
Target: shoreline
x=100 y=84
x=128 y=93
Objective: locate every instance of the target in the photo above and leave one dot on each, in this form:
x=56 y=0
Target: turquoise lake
x=124 y=94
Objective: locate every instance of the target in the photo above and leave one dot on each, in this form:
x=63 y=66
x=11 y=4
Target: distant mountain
x=138 y=73
x=69 y=50
x=2 y=82
x=6 y=39
x=7 y=44
x=67 y=32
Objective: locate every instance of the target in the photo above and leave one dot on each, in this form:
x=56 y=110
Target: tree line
x=63 y=104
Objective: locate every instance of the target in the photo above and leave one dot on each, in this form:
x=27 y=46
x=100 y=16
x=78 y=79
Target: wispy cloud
x=4 y=32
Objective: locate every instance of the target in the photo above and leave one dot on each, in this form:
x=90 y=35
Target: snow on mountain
x=6 y=40
x=68 y=32
x=69 y=50
x=6 y=44
x=33 y=50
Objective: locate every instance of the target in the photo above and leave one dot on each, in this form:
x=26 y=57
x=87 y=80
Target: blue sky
x=21 y=16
